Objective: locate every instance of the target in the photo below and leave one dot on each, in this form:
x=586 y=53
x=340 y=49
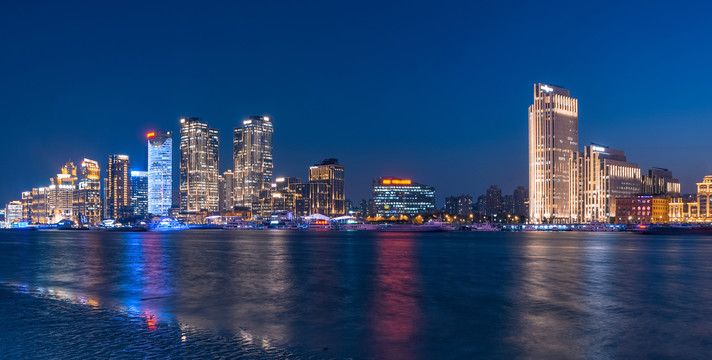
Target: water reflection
x=546 y=301
x=396 y=311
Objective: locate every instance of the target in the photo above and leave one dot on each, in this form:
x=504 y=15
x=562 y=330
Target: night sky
x=434 y=91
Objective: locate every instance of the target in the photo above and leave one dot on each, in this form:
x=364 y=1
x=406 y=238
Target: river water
x=362 y=295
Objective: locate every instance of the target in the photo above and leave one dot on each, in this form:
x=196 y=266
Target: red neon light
x=396 y=182
x=150 y=135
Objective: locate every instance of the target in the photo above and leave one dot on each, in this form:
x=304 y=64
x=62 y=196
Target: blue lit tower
x=160 y=172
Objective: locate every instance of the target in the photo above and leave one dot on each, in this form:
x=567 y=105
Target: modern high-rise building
x=396 y=197
x=252 y=157
x=40 y=213
x=326 y=188
x=553 y=140
x=606 y=176
x=160 y=172
x=87 y=195
x=118 y=188
x=139 y=193
x=199 y=160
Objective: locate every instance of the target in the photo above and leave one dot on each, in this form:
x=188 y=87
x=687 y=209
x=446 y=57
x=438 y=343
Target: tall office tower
x=326 y=188
x=139 y=193
x=118 y=189
x=521 y=201
x=87 y=196
x=227 y=191
x=199 y=157
x=61 y=194
x=252 y=157
x=607 y=175
x=660 y=181
x=553 y=138
x=493 y=201
x=160 y=172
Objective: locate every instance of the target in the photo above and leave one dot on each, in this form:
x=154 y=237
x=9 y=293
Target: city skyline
x=342 y=94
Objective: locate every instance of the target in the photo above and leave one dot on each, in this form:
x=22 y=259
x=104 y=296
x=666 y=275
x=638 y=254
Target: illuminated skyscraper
x=139 y=193
x=326 y=188
x=252 y=157
x=199 y=157
x=86 y=206
x=118 y=190
x=160 y=172
x=553 y=140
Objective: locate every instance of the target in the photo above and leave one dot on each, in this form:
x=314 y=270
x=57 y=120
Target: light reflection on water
x=388 y=295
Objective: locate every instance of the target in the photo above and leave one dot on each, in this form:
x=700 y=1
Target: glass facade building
x=118 y=188
x=160 y=172
x=252 y=157
x=395 y=197
x=326 y=188
x=553 y=140
x=87 y=195
x=139 y=193
x=199 y=158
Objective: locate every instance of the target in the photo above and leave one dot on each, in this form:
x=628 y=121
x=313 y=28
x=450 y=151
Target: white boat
x=359 y=227
x=410 y=228
x=483 y=227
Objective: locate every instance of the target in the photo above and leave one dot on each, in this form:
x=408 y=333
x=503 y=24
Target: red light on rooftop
x=396 y=182
x=150 y=135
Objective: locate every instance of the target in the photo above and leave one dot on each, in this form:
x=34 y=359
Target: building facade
x=703 y=212
x=139 y=193
x=199 y=159
x=607 y=175
x=118 y=188
x=252 y=157
x=553 y=139
x=458 y=205
x=13 y=212
x=227 y=191
x=659 y=181
x=326 y=188
x=160 y=172
x=61 y=193
x=396 y=197
x=643 y=209
x=87 y=207
x=521 y=201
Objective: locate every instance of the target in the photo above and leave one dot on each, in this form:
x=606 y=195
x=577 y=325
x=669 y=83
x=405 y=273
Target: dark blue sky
x=434 y=91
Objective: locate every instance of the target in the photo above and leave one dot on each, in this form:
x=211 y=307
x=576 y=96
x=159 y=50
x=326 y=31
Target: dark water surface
x=288 y=294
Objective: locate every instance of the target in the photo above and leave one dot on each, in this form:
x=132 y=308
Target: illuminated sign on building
x=598 y=148
x=150 y=135
x=547 y=88
x=396 y=182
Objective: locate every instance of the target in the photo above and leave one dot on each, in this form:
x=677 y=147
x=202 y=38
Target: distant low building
x=458 y=205
x=395 y=197
x=642 y=209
